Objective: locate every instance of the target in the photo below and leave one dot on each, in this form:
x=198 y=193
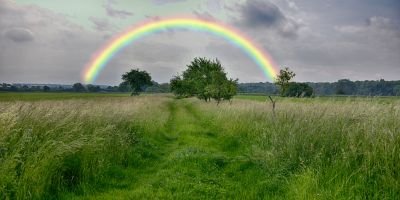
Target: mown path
x=191 y=159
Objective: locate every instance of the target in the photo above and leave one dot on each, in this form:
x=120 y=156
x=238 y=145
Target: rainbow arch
x=104 y=55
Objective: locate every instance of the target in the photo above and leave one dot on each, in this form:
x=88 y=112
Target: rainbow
x=102 y=57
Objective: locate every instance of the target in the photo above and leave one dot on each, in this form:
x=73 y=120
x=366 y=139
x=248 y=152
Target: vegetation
x=137 y=80
x=204 y=79
x=291 y=89
x=157 y=147
x=283 y=78
x=359 y=88
x=78 y=87
x=298 y=90
x=362 y=88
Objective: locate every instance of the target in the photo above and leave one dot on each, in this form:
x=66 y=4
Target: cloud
x=266 y=15
x=112 y=12
x=58 y=51
x=101 y=24
x=166 y=1
x=19 y=35
x=204 y=16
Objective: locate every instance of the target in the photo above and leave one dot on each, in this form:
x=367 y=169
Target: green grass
x=36 y=96
x=158 y=147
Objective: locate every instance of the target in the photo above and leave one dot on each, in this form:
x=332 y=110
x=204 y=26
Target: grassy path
x=191 y=159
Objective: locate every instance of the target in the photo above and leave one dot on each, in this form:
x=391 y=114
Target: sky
x=47 y=41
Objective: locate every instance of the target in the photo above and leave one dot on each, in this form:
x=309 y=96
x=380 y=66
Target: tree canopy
x=136 y=80
x=283 y=78
x=78 y=87
x=205 y=79
x=291 y=89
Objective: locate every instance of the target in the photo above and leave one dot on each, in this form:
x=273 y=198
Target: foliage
x=362 y=88
x=46 y=88
x=204 y=79
x=93 y=88
x=345 y=87
x=298 y=90
x=158 y=88
x=283 y=78
x=137 y=80
x=78 y=87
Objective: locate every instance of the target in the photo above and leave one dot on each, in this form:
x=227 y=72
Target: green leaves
x=137 y=80
x=205 y=79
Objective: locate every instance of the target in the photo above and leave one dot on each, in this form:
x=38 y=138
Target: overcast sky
x=49 y=41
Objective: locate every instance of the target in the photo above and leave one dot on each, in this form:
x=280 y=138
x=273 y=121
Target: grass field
x=96 y=146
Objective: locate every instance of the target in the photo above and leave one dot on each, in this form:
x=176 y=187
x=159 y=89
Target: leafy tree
x=25 y=88
x=78 y=87
x=204 y=79
x=124 y=87
x=158 y=88
x=345 y=87
x=396 y=90
x=92 y=88
x=298 y=90
x=283 y=78
x=180 y=87
x=46 y=88
x=137 y=80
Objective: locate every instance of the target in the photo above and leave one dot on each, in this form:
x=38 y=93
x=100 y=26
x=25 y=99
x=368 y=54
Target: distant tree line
x=79 y=87
x=341 y=87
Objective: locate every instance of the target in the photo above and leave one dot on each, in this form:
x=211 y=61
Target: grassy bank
x=158 y=147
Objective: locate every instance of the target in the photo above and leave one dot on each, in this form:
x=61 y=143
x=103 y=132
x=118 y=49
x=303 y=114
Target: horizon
x=99 y=84
x=322 y=42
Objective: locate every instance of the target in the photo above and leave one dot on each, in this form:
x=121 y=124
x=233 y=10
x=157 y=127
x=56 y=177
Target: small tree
x=204 y=79
x=283 y=79
x=93 y=88
x=137 y=80
x=299 y=90
x=46 y=88
x=78 y=87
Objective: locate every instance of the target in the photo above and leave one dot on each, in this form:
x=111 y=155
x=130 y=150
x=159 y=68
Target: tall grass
x=48 y=147
x=312 y=149
x=320 y=149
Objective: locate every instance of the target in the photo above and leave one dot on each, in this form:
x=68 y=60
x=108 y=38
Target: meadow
x=101 y=146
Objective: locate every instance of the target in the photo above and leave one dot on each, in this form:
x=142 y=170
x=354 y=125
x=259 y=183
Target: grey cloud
x=166 y=1
x=58 y=54
x=204 y=16
x=260 y=14
x=19 y=34
x=266 y=15
x=101 y=24
x=112 y=12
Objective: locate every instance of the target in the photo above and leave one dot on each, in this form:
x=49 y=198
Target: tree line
x=341 y=87
x=206 y=80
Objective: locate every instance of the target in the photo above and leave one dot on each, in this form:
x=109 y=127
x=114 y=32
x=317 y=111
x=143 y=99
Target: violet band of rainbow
x=100 y=60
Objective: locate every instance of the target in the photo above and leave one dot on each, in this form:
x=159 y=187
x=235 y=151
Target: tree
x=283 y=78
x=204 y=79
x=92 y=88
x=137 y=80
x=396 y=90
x=298 y=90
x=78 y=87
x=124 y=87
x=46 y=88
x=345 y=87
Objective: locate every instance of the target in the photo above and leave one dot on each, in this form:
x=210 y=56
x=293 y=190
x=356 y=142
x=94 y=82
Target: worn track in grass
x=190 y=159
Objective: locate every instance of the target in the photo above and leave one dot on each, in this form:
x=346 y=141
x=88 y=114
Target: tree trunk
x=273 y=106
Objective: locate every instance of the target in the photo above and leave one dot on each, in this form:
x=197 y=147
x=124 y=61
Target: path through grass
x=158 y=147
x=189 y=161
